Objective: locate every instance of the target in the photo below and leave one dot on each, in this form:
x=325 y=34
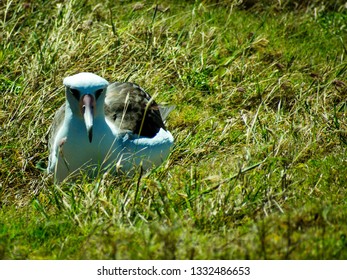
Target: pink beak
x=87 y=110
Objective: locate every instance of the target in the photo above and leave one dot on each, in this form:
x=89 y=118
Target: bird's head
x=85 y=94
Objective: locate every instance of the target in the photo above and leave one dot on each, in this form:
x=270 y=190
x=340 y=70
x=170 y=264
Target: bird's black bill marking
x=90 y=135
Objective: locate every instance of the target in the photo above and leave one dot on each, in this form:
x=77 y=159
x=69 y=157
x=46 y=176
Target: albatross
x=101 y=127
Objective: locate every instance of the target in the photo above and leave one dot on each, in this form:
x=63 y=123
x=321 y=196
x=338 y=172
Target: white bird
x=115 y=127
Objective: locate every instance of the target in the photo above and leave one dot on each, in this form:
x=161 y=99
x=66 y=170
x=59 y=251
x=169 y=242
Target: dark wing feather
x=133 y=109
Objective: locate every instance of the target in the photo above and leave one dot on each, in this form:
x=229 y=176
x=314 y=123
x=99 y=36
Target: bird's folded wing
x=55 y=126
x=131 y=108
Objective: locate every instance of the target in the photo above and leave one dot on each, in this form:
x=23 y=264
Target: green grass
x=259 y=168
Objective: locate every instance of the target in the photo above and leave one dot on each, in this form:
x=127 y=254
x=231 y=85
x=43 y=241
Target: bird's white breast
x=109 y=149
x=77 y=153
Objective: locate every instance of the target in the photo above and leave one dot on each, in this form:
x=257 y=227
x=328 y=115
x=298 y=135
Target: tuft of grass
x=258 y=168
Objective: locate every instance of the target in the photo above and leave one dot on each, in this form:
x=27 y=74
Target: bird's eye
x=75 y=93
x=98 y=93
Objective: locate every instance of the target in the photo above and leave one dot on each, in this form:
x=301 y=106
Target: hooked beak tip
x=90 y=135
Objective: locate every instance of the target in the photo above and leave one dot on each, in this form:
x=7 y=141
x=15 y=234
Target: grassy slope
x=262 y=88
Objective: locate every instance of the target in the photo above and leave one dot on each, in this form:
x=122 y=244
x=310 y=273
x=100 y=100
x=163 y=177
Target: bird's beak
x=87 y=110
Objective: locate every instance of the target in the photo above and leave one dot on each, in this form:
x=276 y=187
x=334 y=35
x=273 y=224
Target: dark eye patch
x=75 y=93
x=98 y=93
